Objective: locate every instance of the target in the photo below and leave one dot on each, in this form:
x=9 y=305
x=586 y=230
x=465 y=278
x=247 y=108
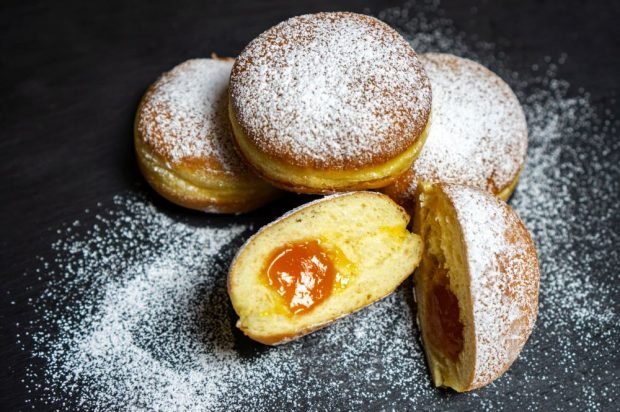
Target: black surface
x=72 y=74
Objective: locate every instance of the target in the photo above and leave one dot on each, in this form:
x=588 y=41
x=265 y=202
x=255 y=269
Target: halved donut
x=320 y=262
x=476 y=287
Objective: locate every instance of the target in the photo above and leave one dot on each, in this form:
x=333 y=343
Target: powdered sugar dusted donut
x=184 y=142
x=476 y=287
x=329 y=102
x=478 y=133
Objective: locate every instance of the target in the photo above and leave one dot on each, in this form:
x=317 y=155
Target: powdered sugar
x=153 y=328
x=478 y=134
x=177 y=345
x=330 y=90
x=184 y=114
x=146 y=315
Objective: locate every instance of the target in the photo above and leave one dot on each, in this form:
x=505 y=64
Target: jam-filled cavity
x=444 y=328
x=440 y=268
x=303 y=273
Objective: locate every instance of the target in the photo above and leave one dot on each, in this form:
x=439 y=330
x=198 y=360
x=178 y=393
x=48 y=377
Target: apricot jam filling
x=445 y=331
x=304 y=274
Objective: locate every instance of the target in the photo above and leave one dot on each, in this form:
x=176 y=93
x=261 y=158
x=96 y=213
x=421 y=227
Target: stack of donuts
x=417 y=154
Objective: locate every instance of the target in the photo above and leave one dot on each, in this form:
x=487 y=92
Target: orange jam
x=445 y=330
x=302 y=273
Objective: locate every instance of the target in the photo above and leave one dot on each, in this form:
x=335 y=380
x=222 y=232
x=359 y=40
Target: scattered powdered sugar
x=151 y=325
x=184 y=114
x=335 y=90
x=135 y=315
x=478 y=132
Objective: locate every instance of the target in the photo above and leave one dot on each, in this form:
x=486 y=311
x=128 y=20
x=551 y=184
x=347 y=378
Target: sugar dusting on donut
x=183 y=116
x=504 y=277
x=478 y=133
x=333 y=90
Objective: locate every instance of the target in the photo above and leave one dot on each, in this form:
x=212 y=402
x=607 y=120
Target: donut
x=478 y=134
x=329 y=102
x=183 y=141
x=320 y=262
x=476 y=287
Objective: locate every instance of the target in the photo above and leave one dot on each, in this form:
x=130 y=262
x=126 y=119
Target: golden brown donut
x=329 y=102
x=184 y=143
x=476 y=287
x=478 y=133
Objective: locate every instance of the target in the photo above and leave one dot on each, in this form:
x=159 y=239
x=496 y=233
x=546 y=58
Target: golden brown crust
x=184 y=143
x=240 y=203
x=342 y=114
x=324 y=182
x=300 y=180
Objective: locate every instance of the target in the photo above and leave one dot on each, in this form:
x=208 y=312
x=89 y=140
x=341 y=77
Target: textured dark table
x=73 y=72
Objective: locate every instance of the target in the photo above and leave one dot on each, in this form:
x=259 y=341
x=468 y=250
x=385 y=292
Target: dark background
x=72 y=74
